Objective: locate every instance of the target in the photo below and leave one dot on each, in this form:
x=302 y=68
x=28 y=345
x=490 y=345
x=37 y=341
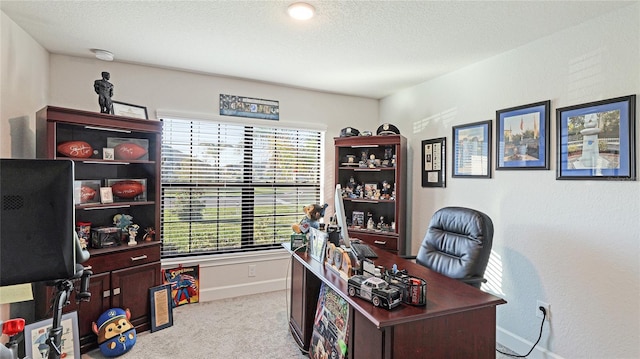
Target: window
x=229 y=187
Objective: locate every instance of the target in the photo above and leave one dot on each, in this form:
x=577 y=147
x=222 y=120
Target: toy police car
x=375 y=290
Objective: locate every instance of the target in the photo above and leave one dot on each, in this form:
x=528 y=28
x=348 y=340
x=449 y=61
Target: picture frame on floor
x=36 y=335
x=471 y=152
x=596 y=140
x=522 y=137
x=161 y=307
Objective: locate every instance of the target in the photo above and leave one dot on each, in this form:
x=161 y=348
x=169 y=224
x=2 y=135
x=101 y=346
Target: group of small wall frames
x=595 y=141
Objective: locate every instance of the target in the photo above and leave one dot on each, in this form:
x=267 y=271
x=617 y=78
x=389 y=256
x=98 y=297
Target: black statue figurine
x=104 y=89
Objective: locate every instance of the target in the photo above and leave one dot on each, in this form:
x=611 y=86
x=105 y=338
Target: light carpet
x=255 y=326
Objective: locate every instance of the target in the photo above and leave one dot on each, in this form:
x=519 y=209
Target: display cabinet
x=372 y=172
x=121 y=155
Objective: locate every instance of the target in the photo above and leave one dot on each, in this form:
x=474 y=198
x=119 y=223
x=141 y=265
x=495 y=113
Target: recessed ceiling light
x=301 y=11
x=103 y=54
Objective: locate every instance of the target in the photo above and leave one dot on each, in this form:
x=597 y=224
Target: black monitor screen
x=36 y=220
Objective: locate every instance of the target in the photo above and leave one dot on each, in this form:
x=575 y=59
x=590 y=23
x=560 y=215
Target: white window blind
x=234 y=187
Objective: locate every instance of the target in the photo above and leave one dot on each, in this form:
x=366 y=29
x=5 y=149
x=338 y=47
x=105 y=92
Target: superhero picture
x=184 y=283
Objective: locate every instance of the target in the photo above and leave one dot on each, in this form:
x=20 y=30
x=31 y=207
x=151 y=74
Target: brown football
x=127 y=189
x=87 y=194
x=129 y=151
x=76 y=149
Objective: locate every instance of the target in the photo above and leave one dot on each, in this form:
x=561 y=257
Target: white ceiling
x=362 y=48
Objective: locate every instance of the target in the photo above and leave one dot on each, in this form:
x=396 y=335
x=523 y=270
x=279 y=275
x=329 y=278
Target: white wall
x=24 y=82
x=573 y=244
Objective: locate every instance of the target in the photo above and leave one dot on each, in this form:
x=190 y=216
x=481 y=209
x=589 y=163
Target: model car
x=375 y=290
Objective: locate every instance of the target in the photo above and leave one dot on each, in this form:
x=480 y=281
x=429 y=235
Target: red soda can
x=415 y=290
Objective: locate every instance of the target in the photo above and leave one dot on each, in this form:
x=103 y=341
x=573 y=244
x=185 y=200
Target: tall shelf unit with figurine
x=122 y=154
x=372 y=173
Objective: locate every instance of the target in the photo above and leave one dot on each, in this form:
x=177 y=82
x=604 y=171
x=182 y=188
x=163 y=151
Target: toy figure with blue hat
x=116 y=334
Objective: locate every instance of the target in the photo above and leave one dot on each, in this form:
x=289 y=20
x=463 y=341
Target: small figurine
x=133 y=232
x=349 y=191
x=364 y=154
x=149 y=234
x=388 y=153
x=385 y=192
x=372 y=161
x=84 y=233
x=122 y=221
x=104 y=89
x=370 y=223
x=313 y=213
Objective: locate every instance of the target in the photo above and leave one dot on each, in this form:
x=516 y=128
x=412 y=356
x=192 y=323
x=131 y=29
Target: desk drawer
x=387 y=243
x=124 y=258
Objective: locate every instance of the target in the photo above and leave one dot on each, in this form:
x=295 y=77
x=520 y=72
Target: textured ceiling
x=361 y=48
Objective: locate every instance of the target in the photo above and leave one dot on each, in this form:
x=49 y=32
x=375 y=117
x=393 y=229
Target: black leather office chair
x=458 y=244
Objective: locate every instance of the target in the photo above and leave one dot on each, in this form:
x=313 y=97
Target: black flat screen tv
x=36 y=220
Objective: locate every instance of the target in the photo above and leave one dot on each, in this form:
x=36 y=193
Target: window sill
x=214 y=260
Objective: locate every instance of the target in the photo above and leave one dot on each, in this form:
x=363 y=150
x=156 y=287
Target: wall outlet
x=252 y=270
x=546 y=307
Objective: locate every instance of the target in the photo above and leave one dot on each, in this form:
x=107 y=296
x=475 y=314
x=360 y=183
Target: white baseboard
x=216 y=293
x=522 y=346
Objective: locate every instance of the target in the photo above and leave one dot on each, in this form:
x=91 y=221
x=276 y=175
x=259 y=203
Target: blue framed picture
x=522 y=137
x=472 y=150
x=596 y=140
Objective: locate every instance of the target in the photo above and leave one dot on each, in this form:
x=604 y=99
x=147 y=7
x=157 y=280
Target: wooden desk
x=459 y=321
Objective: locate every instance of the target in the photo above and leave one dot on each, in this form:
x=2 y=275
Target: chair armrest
x=409 y=258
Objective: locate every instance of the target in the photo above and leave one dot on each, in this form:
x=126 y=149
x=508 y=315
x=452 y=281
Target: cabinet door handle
x=382 y=243
x=144 y=256
x=364 y=146
x=106 y=294
x=116 y=291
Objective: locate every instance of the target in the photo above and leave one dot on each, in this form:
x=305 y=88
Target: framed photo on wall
x=472 y=150
x=434 y=164
x=596 y=140
x=522 y=137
